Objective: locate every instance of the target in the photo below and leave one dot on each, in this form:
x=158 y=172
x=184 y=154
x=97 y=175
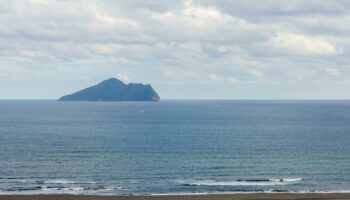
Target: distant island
x=114 y=90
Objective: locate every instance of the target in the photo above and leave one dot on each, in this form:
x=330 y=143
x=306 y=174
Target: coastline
x=264 y=196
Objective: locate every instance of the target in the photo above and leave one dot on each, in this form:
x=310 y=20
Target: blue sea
x=174 y=147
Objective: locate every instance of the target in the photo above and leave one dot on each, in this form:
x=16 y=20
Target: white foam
x=48 y=190
x=262 y=182
x=59 y=181
x=286 y=180
x=78 y=191
x=233 y=183
x=73 y=189
x=180 y=193
x=254 y=192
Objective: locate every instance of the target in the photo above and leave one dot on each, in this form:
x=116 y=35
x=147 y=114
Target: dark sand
x=280 y=196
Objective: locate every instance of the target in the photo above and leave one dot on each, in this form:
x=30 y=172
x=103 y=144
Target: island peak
x=113 y=89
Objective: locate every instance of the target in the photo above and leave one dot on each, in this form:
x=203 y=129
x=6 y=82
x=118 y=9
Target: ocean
x=174 y=147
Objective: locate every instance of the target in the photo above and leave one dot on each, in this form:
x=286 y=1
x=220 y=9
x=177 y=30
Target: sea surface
x=174 y=147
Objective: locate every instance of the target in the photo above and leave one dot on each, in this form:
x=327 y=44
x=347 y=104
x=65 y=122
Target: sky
x=191 y=49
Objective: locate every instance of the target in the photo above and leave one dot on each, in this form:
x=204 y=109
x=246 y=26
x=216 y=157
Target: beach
x=280 y=196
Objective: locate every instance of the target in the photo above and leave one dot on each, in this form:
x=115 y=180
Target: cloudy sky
x=191 y=49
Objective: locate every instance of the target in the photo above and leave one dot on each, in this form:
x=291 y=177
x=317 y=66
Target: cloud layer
x=185 y=49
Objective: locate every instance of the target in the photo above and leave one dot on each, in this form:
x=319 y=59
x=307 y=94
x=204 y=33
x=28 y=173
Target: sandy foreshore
x=280 y=196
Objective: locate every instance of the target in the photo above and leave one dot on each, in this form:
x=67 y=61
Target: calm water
x=174 y=147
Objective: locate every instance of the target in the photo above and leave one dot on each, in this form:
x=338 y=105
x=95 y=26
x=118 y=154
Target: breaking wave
x=244 y=182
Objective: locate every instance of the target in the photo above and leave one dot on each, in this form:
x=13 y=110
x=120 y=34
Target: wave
x=242 y=182
x=286 y=180
x=254 y=192
x=55 y=186
x=59 y=181
x=74 y=190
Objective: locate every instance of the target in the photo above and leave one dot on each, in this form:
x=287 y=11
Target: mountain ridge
x=113 y=89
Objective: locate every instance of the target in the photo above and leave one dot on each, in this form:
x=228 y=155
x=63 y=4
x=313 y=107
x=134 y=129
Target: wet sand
x=280 y=196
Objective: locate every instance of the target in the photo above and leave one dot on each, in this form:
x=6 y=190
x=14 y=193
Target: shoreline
x=260 y=196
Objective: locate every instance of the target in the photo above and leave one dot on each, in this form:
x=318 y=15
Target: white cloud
x=231 y=80
x=202 y=22
x=221 y=49
x=256 y=72
x=124 y=77
x=332 y=71
x=301 y=75
x=188 y=42
x=214 y=77
x=303 y=44
x=222 y=79
x=39 y=1
x=197 y=11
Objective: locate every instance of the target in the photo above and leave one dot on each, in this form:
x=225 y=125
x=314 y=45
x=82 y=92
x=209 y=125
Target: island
x=114 y=90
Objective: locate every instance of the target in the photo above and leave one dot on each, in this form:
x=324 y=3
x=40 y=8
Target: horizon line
x=243 y=99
